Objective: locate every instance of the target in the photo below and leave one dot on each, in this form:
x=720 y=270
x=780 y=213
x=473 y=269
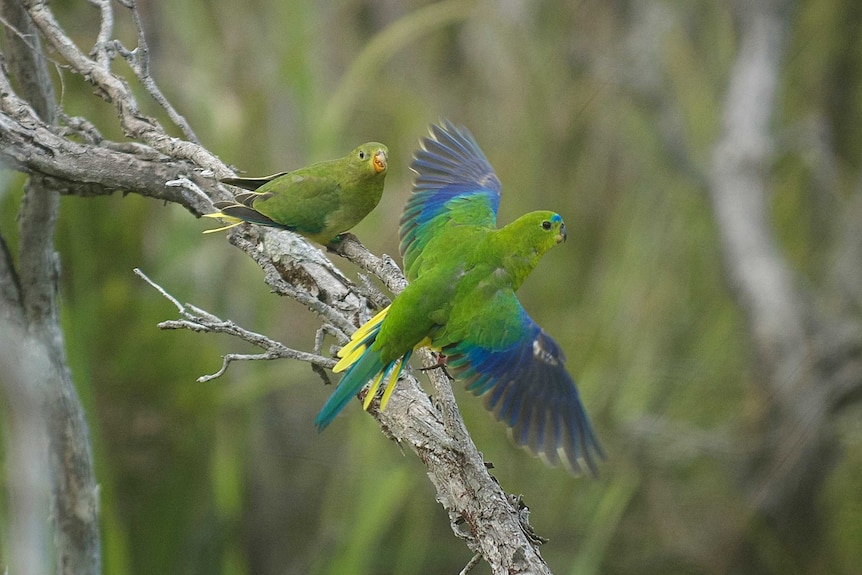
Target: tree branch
x=196 y=319
x=139 y=60
x=29 y=145
x=114 y=89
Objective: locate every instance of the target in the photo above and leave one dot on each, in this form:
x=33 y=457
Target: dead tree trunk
x=810 y=359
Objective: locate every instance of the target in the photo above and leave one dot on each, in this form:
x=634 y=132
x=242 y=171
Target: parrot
x=319 y=202
x=463 y=273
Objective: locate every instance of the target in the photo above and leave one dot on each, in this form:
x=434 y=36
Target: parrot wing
x=293 y=201
x=454 y=184
x=504 y=356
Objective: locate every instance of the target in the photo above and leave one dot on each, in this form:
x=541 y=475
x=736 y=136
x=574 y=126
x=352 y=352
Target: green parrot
x=319 y=202
x=461 y=301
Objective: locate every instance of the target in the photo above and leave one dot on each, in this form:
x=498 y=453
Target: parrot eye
x=546 y=225
x=361 y=155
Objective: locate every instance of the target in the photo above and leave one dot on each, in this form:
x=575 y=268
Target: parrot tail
x=237 y=213
x=362 y=364
x=233 y=222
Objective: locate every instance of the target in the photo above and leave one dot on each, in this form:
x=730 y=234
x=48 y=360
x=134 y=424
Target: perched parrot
x=319 y=202
x=463 y=273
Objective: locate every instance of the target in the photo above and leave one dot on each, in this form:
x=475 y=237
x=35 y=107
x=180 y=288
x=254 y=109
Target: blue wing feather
x=454 y=181
x=526 y=386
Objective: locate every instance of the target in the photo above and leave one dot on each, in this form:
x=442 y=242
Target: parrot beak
x=379 y=161
x=561 y=237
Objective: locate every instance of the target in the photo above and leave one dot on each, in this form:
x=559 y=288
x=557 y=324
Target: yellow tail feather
x=356 y=347
x=396 y=371
x=372 y=391
x=348 y=360
x=233 y=222
x=363 y=330
x=348 y=353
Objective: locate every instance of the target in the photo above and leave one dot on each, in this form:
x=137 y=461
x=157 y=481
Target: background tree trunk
x=42 y=397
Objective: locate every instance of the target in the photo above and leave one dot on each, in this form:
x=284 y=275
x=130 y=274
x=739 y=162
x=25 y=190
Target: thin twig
x=199 y=320
x=160 y=289
x=26 y=39
x=370 y=291
x=102 y=49
x=116 y=90
x=82 y=127
x=322 y=331
x=139 y=60
x=470 y=564
x=319 y=336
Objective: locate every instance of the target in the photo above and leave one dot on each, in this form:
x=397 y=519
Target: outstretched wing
x=454 y=184
x=520 y=372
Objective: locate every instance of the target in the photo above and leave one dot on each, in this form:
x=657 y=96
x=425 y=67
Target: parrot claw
x=440 y=364
x=335 y=243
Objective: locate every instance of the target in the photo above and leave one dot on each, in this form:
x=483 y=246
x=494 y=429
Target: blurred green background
x=603 y=111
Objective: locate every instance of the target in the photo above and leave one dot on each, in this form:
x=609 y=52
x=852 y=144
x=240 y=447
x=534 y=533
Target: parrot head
x=372 y=155
x=537 y=231
x=527 y=239
x=552 y=226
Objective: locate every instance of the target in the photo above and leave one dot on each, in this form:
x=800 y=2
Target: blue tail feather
x=365 y=368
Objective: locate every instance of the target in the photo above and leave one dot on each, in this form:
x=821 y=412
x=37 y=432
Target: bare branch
x=102 y=50
x=29 y=145
x=322 y=331
x=384 y=267
x=230 y=357
x=196 y=319
x=480 y=512
x=470 y=564
x=180 y=307
x=26 y=40
x=139 y=60
x=115 y=90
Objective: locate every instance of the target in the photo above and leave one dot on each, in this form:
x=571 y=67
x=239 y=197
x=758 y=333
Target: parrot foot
x=334 y=244
x=440 y=364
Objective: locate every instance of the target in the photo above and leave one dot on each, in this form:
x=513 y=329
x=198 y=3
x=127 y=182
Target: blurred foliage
x=603 y=111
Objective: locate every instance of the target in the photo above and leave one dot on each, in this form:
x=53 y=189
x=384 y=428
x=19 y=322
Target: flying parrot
x=463 y=273
x=319 y=201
